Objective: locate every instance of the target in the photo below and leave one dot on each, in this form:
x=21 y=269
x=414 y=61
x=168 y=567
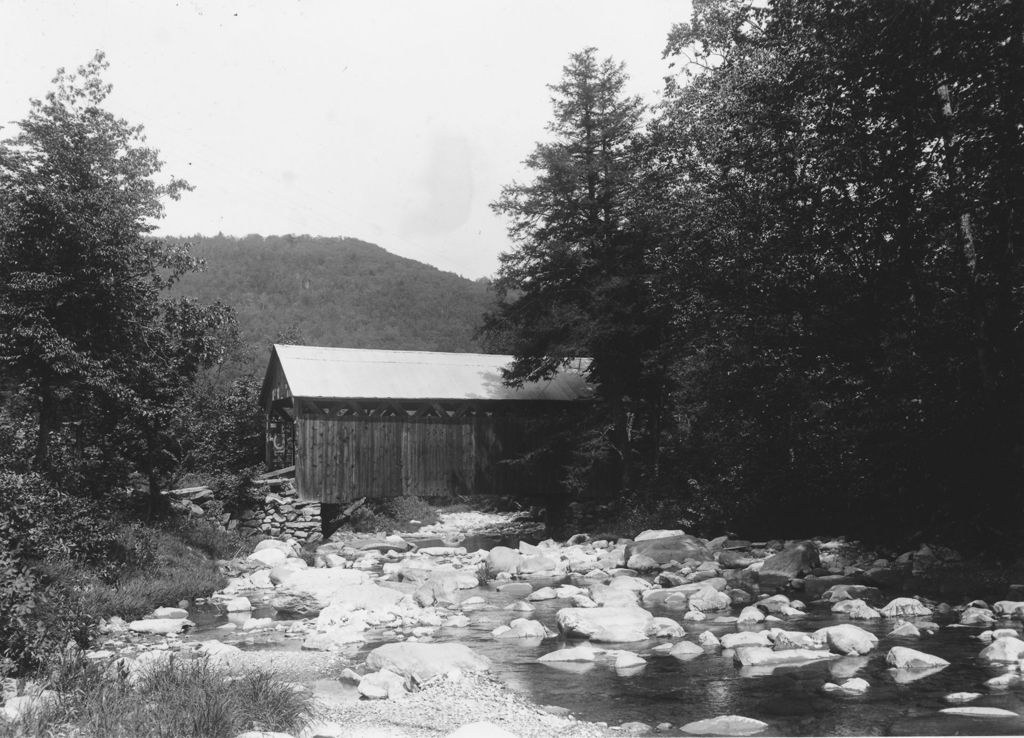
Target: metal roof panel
x=320 y=372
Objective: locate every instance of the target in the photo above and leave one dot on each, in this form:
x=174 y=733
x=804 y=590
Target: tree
x=575 y=284
x=83 y=329
x=840 y=207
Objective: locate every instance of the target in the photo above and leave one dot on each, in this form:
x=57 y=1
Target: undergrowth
x=180 y=699
x=396 y=514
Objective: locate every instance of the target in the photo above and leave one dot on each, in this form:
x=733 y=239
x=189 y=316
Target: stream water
x=790 y=699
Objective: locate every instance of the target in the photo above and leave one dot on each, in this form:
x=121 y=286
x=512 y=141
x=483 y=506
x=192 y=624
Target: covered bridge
x=370 y=423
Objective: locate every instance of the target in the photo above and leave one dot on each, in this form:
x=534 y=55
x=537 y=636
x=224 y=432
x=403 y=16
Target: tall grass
x=186 y=698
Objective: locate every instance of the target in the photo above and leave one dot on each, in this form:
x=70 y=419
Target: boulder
x=669 y=548
x=905 y=607
x=977 y=616
x=238 y=604
x=169 y=612
x=423 y=661
x=850 y=686
x=685 y=650
x=160 y=626
x=750 y=614
x=642 y=562
x=606 y=624
x=383 y=684
x=579 y=653
x=745 y=638
x=628 y=660
x=1009 y=608
x=856 y=610
x=729 y=725
x=1003 y=649
x=649 y=535
x=309 y=591
x=979 y=712
x=762 y=656
x=268 y=557
x=523 y=628
x=707 y=639
x=847 y=639
x=907 y=658
x=502 y=559
x=789 y=563
x=709 y=599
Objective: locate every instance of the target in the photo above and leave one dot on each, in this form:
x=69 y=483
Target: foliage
x=85 y=334
x=576 y=283
x=183 y=698
x=835 y=196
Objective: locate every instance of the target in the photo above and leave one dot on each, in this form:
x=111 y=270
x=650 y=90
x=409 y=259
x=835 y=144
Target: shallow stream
x=789 y=698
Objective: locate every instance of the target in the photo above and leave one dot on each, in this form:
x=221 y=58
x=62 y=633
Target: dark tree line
x=800 y=281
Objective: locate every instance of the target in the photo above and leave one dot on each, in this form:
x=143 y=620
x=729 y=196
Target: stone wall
x=281 y=513
x=278 y=511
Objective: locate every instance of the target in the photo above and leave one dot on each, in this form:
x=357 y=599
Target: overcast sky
x=393 y=122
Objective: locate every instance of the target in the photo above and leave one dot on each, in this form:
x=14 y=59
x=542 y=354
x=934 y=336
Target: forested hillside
x=334 y=292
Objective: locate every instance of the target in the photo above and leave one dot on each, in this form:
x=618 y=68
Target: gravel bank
x=446 y=704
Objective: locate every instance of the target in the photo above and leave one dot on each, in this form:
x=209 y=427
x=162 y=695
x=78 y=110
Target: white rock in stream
x=761 y=656
x=847 y=639
x=605 y=624
x=1003 y=649
x=578 y=653
x=730 y=725
x=957 y=698
x=160 y=626
x=850 y=686
x=907 y=658
x=905 y=607
x=629 y=660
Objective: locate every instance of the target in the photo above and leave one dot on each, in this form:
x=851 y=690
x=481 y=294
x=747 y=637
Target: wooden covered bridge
x=371 y=423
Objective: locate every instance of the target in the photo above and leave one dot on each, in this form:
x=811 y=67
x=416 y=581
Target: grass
x=179 y=571
x=186 y=698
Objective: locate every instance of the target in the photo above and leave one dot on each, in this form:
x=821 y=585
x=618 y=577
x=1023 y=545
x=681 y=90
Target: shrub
x=394 y=514
x=185 y=698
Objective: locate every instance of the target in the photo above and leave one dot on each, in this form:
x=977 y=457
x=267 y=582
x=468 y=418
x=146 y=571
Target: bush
x=185 y=698
x=394 y=514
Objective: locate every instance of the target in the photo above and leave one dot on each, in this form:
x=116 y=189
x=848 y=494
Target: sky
x=392 y=122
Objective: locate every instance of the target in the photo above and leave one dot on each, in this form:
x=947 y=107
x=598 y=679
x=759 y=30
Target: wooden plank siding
x=342 y=457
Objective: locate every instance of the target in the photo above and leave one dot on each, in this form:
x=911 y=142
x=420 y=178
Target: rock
x=15 y=707
x=614 y=596
x=664 y=549
x=856 y=610
x=257 y=624
x=708 y=600
x=745 y=638
x=582 y=653
x=423 y=661
x=649 y=535
x=309 y=591
x=905 y=607
x=750 y=614
x=1009 y=608
x=219 y=653
x=762 y=656
x=605 y=624
x=784 y=640
x=383 y=684
x=629 y=583
x=666 y=628
x=268 y=557
x=169 y=612
x=642 y=562
x=729 y=725
x=160 y=626
x=735 y=559
x=1003 y=649
x=979 y=712
x=707 y=639
x=503 y=559
x=537 y=565
x=907 y=658
x=847 y=639
x=850 y=591
x=789 y=563
x=850 y=686
x=1003 y=681
x=542 y=594
x=958 y=698
x=685 y=650
x=282 y=571
x=238 y=604
x=905 y=630
x=629 y=660
x=523 y=628
x=977 y=616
